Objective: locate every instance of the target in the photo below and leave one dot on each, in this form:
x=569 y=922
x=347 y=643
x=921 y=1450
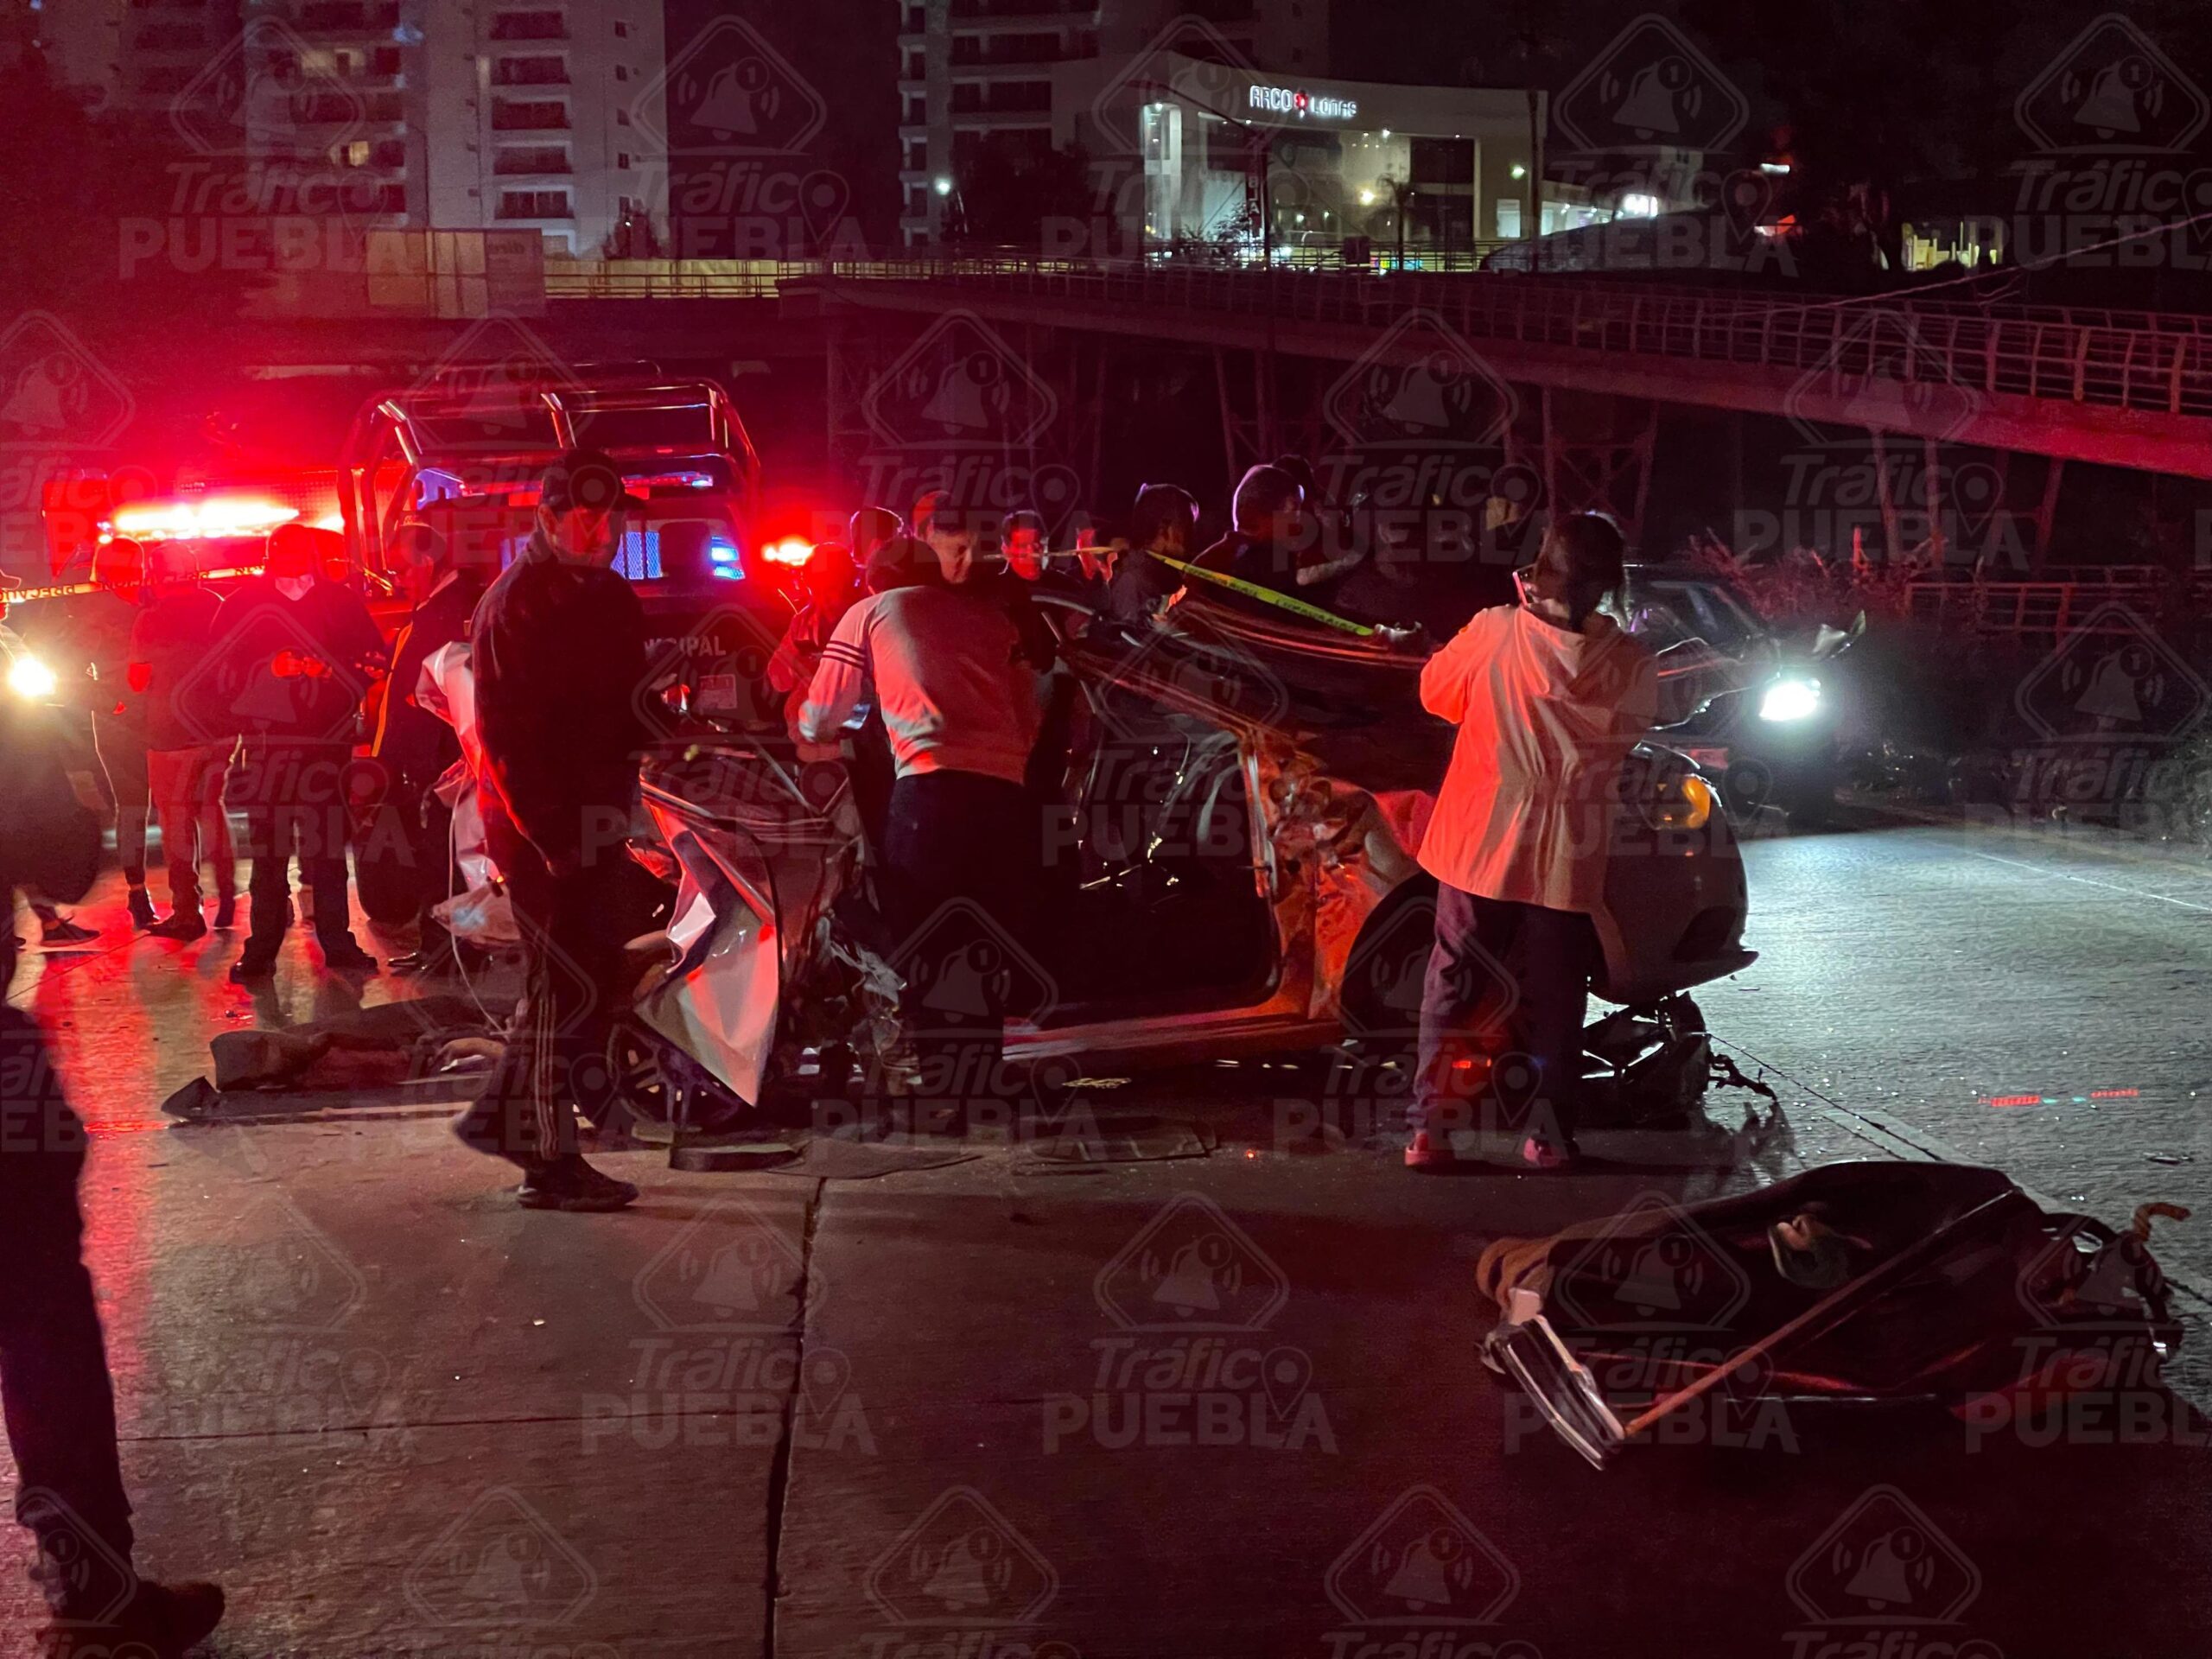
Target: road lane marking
x=2091 y=881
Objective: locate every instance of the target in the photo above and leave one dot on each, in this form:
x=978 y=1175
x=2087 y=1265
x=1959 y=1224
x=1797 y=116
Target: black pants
x=961 y=856
x=1512 y=981
x=574 y=926
x=293 y=799
x=441 y=878
x=59 y=1403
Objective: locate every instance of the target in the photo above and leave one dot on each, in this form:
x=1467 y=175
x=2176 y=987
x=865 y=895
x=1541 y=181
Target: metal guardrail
x=2154 y=362
x=2048 y=609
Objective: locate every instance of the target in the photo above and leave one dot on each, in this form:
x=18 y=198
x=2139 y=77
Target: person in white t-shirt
x=1549 y=695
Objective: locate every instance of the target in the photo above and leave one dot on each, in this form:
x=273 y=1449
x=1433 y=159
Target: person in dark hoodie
x=558 y=653
x=1549 y=695
x=1164 y=521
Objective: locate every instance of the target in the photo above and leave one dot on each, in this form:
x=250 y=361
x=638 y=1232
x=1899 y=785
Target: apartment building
x=443 y=114
x=978 y=70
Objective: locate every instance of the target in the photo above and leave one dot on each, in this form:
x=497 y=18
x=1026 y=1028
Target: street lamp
x=1263 y=144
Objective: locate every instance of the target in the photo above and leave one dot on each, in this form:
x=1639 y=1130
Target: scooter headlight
x=1793 y=699
x=31 y=679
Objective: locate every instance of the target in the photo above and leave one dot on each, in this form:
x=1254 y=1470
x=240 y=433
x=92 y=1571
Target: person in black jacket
x=1165 y=521
x=292 y=658
x=1267 y=541
x=61 y=1402
x=414 y=745
x=559 y=661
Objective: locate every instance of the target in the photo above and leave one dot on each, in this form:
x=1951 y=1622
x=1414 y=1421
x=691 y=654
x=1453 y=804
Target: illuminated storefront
x=1236 y=162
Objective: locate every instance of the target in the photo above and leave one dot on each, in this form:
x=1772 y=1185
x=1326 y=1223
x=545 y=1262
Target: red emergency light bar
x=210 y=518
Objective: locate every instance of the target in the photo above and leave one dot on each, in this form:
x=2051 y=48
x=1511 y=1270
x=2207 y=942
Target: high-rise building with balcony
x=977 y=72
x=443 y=114
x=530 y=117
x=134 y=56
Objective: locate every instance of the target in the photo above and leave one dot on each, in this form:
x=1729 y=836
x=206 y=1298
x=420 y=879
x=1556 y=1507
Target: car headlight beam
x=1793 y=699
x=29 y=678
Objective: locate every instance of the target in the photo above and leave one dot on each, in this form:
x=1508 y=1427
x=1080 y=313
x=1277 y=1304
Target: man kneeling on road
x=559 y=660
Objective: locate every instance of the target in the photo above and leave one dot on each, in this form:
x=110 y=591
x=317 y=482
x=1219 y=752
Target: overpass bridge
x=2120 y=388
x=1592 y=361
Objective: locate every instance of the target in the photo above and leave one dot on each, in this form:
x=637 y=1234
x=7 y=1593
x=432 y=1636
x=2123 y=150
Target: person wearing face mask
x=294 y=656
x=558 y=654
x=1549 y=695
x=947 y=664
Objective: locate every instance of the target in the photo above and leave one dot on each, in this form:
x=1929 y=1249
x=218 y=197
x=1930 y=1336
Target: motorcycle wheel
x=641 y=1099
x=1660 y=1080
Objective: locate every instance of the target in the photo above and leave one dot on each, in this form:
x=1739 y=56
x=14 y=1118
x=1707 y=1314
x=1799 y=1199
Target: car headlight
x=30 y=678
x=1791 y=700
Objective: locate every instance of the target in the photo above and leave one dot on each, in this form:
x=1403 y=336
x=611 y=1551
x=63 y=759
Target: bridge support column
x=1250 y=432
x=1594 y=454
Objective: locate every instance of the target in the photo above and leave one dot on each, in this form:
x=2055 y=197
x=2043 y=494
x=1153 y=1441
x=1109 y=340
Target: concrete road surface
x=1216 y=1398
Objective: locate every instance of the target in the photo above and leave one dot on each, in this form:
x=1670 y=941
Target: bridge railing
x=2047 y=608
x=1876 y=348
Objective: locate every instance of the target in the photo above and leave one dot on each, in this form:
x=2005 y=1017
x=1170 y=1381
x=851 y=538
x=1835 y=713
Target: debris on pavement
x=1861 y=1281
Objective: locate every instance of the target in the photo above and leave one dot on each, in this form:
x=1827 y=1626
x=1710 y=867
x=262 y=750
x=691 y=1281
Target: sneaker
x=253 y=965
x=226 y=912
x=142 y=906
x=1431 y=1151
x=573 y=1184
x=179 y=925
x=63 y=931
x=345 y=956
x=162 y=1621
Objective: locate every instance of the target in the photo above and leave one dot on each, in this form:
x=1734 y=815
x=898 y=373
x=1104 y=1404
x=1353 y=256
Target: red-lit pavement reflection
x=128 y=1017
